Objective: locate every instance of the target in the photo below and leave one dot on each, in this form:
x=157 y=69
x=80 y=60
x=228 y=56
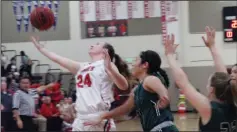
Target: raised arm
x=44 y=87
x=70 y=65
x=119 y=80
x=113 y=72
x=210 y=43
x=198 y=101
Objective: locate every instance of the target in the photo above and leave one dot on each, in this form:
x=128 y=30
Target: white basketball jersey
x=94 y=88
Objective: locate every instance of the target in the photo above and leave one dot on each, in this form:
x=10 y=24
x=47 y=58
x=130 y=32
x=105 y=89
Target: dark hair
x=154 y=61
x=25 y=77
x=120 y=64
x=13 y=59
x=228 y=70
x=224 y=89
x=234 y=65
x=22 y=53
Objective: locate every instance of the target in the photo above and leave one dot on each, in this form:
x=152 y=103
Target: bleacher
x=38 y=77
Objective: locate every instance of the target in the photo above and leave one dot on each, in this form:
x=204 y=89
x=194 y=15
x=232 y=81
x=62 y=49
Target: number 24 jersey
x=93 y=88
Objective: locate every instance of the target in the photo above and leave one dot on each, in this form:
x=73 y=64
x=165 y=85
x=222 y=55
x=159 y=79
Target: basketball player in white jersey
x=94 y=83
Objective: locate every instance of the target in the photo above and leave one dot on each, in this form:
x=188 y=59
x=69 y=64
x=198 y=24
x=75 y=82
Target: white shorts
x=107 y=125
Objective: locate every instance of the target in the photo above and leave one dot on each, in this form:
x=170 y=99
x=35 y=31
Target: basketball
x=42 y=18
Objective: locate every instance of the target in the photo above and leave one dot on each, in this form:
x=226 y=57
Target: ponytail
x=121 y=65
x=165 y=76
x=229 y=94
x=233 y=88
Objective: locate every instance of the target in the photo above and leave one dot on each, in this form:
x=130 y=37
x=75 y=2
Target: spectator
x=50 y=111
x=3 y=79
x=40 y=121
x=74 y=96
x=12 y=66
x=26 y=64
x=6 y=111
x=24 y=105
x=69 y=100
x=3 y=63
x=68 y=113
x=55 y=93
x=13 y=86
x=16 y=76
x=68 y=116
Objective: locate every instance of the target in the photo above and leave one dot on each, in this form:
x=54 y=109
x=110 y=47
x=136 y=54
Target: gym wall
x=194 y=57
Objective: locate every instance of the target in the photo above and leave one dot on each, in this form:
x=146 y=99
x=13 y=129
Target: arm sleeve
x=16 y=101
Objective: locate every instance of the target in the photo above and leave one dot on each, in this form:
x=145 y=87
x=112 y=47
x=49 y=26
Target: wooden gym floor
x=185 y=122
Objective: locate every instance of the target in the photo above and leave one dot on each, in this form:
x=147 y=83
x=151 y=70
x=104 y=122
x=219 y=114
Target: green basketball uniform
x=150 y=115
x=223 y=119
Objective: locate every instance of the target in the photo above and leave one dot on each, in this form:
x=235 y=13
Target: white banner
x=88 y=10
x=154 y=9
x=105 y=10
x=136 y=9
x=121 y=10
x=170 y=19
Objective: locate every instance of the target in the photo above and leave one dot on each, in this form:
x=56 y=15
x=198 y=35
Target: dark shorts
x=28 y=124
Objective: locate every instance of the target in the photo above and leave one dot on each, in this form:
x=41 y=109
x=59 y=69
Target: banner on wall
x=170 y=20
x=22 y=10
x=116 y=10
x=111 y=28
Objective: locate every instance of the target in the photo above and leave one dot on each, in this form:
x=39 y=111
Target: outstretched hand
x=35 y=41
x=170 y=47
x=210 y=37
x=107 y=60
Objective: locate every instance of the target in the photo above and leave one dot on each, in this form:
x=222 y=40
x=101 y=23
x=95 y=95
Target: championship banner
x=120 y=10
x=170 y=19
x=135 y=9
x=117 y=10
x=105 y=10
x=88 y=11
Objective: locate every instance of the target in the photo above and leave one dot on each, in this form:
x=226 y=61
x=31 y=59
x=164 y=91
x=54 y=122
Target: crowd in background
x=53 y=109
x=51 y=105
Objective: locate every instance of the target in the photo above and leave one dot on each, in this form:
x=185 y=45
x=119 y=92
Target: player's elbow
x=123 y=84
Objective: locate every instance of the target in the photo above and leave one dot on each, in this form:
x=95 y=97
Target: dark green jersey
x=223 y=119
x=150 y=115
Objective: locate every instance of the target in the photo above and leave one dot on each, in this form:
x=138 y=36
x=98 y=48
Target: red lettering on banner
x=114 y=5
x=82 y=10
x=97 y=8
x=146 y=9
x=163 y=20
x=130 y=10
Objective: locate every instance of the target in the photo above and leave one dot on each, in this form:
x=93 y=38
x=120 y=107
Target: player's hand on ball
x=170 y=47
x=35 y=41
x=107 y=60
x=210 y=37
